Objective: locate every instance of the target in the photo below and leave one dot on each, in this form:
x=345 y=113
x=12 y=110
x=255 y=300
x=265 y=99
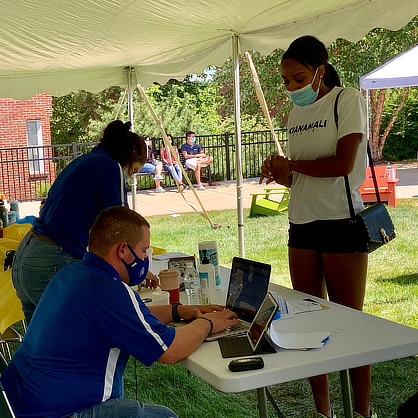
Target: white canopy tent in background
x=401 y=71
x=56 y=47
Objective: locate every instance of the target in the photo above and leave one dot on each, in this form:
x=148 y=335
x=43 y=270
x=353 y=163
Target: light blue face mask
x=193 y=139
x=305 y=95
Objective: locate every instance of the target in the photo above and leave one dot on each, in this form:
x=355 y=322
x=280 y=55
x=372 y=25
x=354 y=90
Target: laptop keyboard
x=237 y=328
x=240 y=329
x=235 y=347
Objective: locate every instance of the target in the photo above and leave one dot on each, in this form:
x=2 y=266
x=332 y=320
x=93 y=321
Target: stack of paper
x=296 y=341
x=299 y=341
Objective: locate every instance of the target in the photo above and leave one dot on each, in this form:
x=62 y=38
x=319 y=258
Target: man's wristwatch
x=174 y=312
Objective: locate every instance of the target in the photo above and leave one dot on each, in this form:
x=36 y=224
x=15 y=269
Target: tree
x=268 y=70
x=190 y=104
x=351 y=60
x=75 y=114
x=355 y=59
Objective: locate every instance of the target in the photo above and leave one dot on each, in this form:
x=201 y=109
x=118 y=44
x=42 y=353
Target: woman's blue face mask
x=137 y=270
x=305 y=95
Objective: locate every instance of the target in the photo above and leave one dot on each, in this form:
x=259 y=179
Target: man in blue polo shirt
x=89 y=321
x=194 y=157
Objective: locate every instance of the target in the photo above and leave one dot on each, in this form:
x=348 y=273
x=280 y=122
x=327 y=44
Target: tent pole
x=129 y=72
x=238 y=159
x=369 y=116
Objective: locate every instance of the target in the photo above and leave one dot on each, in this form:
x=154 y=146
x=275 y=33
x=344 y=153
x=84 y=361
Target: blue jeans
x=125 y=408
x=175 y=171
x=34 y=265
x=149 y=167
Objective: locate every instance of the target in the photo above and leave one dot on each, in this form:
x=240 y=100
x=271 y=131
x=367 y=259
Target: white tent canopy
x=401 y=71
x=56 y=47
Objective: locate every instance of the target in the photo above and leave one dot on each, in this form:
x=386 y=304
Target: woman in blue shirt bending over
x=89 y=184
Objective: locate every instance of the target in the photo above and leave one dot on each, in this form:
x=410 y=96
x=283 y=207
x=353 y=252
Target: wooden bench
x=387 y=188
x=267 y=206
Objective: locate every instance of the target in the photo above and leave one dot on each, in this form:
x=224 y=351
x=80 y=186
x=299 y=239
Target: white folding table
x=357 y=339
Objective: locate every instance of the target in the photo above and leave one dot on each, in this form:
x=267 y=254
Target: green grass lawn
x=392 y=293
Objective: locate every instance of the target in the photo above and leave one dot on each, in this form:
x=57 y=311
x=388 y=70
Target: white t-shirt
x=313 y=135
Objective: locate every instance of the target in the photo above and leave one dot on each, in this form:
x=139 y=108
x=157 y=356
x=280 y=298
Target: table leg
x=262 y=403
x=274 y=404
x=345 y=387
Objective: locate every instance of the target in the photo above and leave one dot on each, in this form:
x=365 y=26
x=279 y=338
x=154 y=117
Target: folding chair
x=9 y=336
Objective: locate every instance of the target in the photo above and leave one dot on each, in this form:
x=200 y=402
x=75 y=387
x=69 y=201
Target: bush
x=402 y=141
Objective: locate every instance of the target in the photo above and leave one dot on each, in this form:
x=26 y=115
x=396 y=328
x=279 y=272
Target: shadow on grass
x=405 y=279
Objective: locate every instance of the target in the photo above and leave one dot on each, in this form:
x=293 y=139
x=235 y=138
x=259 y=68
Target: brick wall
x=16 y=180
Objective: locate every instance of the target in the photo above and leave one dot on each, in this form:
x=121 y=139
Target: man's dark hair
x=124 y=146
x=189 y=133
x=115 y=225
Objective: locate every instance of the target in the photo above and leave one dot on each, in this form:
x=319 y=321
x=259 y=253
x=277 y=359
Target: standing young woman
x=89 y=184
x=326 y=253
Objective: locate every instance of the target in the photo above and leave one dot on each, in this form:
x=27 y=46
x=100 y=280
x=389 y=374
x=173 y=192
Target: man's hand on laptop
x=188 y=312
x=222 y=319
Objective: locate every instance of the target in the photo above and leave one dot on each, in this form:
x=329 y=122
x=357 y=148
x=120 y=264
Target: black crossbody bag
x=374 y=221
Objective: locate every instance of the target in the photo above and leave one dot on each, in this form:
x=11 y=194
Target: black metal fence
x=28 y=172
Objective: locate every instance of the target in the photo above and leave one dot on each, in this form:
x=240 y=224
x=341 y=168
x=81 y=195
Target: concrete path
x=224 y=196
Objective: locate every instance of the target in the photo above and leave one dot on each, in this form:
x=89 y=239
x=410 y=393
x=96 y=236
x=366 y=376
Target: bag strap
x=369 y=153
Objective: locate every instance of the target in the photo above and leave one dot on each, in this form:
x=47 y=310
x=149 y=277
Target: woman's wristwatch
x=174 y=312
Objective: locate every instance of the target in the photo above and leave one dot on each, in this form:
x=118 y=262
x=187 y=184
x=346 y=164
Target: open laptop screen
x=262 y=321
x=248 y=284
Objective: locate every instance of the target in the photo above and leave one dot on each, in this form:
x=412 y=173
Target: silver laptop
x=255 y=340
x=248 y=284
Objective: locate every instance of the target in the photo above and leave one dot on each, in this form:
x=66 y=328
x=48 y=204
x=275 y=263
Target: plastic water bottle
x=3 y=214
x=192 y=286
x=390 y=173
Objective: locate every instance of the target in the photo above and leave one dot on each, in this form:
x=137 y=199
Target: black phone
x=245 y=364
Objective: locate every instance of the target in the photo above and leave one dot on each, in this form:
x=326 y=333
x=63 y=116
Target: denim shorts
x=333 y=236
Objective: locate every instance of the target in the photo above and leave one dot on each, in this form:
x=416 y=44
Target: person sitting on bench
x=170 y=164
x=194 y=157
x=153 y=166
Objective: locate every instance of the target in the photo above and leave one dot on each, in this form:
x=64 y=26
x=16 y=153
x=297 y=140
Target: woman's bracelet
x=209 y=320
x=174 y=312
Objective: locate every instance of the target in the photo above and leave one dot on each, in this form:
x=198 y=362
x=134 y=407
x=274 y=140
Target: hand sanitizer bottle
x=207 y=280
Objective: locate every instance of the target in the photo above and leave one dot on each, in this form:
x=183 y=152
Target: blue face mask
x=137 y=270
x=306 y=95
x=193 y=139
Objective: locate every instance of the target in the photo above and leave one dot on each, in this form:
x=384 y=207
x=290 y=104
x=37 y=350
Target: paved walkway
x=225 y=196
